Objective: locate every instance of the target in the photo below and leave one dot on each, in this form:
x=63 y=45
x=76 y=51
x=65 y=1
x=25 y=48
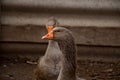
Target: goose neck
x=68 y=69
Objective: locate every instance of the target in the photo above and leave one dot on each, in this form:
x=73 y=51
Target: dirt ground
x=13 y=69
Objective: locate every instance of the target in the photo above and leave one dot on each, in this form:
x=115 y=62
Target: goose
x=66 y=43
x=48 y=67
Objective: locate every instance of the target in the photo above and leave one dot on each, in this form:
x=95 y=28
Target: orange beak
x=48 y=36
x=49 y=28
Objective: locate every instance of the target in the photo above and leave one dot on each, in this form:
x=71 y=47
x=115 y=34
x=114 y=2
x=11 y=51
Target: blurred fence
x=95 y=24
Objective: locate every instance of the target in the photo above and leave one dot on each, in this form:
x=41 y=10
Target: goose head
x=58 y=34
x=51 y=23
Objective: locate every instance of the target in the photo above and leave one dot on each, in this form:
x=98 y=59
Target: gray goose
x=66 y=43
x=48 y=67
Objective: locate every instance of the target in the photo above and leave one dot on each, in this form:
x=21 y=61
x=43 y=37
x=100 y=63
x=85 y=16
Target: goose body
x=66 y=43
x=48 y=67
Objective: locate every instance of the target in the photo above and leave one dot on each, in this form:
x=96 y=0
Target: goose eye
x=57 y=31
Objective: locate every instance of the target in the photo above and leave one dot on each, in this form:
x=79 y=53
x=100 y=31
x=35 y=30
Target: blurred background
x=94 y=23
